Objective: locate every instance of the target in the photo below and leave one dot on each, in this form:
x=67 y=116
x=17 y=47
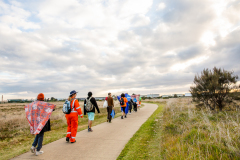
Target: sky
x=130 y=46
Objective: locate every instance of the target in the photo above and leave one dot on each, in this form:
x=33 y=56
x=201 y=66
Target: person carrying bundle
x=38 y=115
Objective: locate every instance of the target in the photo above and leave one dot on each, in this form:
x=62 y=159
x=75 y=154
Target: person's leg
x=74 y=127
x=35 y=142
x=89 y=123
x=122 y=112
x=110 y=111
x=68 y=136
x=125 y=115
x=91 y=120
x=40 y=140
x=90 y=126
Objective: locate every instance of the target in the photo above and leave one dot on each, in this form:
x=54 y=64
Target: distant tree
x=133 y=94
x=175 y=96
x=211 y=88
x=53 y=99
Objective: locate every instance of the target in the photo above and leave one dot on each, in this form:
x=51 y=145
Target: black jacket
x=93 y=101
x=47 y=127
x=129 y=105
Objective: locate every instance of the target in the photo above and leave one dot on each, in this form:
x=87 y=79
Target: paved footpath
x=105 y=142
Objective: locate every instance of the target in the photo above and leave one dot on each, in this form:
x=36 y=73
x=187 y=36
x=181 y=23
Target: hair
x=109 y=93
x=122 y=95
x=70 y=97
x=89 y=94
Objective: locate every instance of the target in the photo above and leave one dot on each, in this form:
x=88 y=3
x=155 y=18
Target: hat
x=73 y=92
x=40 y=96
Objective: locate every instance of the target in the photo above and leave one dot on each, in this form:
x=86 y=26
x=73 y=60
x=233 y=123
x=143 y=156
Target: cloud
x=119 y=46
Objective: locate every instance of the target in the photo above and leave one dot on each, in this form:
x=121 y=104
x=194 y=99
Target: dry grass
x=183 y=132
x=188 y=133
x=14 y=128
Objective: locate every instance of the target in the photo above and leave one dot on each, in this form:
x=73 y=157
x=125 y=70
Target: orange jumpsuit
x=72 y=120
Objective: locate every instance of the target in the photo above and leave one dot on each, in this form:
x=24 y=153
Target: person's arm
x=94 y=102
x=84 y=107
x=78 y=108
x=126 y=101
x=112 y=102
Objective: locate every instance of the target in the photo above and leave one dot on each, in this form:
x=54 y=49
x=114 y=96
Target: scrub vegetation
x=15 y=137
x=179 y=130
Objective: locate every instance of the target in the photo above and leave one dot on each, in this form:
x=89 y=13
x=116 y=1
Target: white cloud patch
x=161 y=6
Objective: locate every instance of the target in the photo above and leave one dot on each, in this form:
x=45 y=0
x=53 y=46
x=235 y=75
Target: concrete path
x=105 y=142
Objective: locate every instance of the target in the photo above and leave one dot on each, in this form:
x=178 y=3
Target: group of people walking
x=38 y=114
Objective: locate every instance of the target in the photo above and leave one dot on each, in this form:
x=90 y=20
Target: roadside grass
x=16 y=138
x=177 y=130
x=138 y=146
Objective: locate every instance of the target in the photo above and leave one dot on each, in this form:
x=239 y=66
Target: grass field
x=177 y=130
x=15 y=133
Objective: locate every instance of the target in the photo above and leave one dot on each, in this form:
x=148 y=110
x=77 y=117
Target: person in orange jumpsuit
x=72 y=118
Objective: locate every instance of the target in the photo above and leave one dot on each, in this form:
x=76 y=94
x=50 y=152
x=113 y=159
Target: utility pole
x=2 y=98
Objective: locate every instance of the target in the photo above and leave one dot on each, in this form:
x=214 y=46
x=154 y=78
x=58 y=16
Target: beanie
x=40 y=97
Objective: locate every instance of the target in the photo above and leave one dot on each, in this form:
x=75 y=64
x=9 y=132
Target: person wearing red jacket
x=72 y=118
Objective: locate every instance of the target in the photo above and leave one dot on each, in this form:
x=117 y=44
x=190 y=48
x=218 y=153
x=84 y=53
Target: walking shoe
x=67 y=139
x=121 y=117
x=74 y=141
x=90 y=130
x=107 y=120
x=39 y=153
x=125 y=116
x=33 y=149
x=130 y=113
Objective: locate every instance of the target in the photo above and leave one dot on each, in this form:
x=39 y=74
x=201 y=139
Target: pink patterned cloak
x=38 y=113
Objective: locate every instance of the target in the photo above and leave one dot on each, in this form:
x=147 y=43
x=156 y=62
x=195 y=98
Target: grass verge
x=141 y=144
x=19 y=141
x=177 y=130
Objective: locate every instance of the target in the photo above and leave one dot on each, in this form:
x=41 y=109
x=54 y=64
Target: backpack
x=122 y=103
x=89 y=105
x=67 y=106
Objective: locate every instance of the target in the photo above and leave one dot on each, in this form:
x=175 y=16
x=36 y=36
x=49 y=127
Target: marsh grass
x=15 y=137
x=188 y=133
x=181 y=131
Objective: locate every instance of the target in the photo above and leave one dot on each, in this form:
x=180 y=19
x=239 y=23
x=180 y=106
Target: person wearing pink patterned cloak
x=38 y=115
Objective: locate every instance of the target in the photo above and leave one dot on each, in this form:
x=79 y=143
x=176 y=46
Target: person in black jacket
x=130 y=103
x=89 y=107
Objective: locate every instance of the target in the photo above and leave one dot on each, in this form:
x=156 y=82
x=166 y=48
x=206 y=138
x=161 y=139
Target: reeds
x=199 y=134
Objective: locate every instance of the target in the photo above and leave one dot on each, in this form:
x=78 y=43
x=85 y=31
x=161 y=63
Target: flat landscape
x=176 y=130
x=15 y=133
